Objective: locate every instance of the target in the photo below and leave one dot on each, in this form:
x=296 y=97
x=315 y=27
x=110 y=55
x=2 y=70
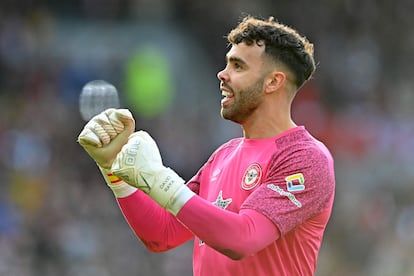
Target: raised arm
x=102 y=138
x=235 y=235
x=158 y=229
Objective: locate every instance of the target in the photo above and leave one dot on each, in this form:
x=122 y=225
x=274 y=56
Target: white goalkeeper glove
x=102 y=138
x=105 y=134
x=139 y=164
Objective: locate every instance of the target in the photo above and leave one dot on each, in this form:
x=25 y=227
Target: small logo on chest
x=221 y=203
x=252 y=176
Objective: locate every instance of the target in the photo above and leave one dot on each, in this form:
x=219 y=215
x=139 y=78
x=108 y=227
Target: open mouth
x=227 y=97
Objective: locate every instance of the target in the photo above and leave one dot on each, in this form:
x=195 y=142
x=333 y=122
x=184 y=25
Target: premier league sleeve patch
x=252 y=177
x=295 y=182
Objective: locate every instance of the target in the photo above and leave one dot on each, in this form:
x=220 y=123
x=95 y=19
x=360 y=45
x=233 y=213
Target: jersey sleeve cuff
x=180 y=198
x=122 y=189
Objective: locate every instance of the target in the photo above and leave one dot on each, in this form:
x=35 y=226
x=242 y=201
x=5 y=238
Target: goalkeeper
x=260 y=204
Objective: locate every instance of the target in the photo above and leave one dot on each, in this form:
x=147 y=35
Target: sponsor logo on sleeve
x=295 y=182
x=282 y=192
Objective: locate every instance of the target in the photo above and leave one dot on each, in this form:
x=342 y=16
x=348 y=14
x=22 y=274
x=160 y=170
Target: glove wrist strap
x=117 y=185
x=169 y=191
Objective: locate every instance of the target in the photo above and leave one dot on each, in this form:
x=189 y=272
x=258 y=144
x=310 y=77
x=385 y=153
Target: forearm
x=139 y=163
x=234 y=235
x=154 y=226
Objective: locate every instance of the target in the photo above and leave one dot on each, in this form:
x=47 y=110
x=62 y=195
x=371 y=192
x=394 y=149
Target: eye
x=237 y=66
x=236 y=63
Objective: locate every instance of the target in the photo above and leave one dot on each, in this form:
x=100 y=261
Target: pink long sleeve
x=154 y=226
x=224 y=230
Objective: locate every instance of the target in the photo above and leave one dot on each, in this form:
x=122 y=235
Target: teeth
x=226 y=93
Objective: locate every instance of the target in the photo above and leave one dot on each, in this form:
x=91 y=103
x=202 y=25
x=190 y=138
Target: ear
x=275 y=81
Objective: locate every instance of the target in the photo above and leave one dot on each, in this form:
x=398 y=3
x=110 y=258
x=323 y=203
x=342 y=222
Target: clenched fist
x=105 y=134
x=140 y=165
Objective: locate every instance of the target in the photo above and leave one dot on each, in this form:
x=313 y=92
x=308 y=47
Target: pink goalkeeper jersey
x=289 y=179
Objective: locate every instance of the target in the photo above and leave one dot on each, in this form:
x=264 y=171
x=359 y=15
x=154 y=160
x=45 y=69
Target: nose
x=222 y=75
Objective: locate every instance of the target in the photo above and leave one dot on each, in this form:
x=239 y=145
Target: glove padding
x=105 y=134
x=139 y=164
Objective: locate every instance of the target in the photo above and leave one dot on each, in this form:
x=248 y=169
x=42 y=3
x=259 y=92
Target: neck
x=261 y=129
x=272 y=118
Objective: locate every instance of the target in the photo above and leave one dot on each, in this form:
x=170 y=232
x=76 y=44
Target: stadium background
x=56 y=215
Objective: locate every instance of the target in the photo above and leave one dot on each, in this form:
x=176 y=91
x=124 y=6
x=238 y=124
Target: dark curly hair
x=282 y=43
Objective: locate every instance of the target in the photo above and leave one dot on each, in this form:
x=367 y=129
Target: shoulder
x=221 y=152
x=226 y=147
x=230 y=144
x=300 y=143
x=301 y=153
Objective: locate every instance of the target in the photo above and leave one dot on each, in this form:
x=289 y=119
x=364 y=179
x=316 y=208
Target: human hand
x=140 y=165
x=105 y=134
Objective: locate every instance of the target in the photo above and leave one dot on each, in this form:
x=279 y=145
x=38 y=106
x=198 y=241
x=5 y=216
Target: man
x=260 y=204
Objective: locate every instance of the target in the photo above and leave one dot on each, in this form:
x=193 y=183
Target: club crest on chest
x=252 y=176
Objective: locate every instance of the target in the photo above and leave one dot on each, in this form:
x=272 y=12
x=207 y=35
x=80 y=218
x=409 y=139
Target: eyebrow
x=235 y=59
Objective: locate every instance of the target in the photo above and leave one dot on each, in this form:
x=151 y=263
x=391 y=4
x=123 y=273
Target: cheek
x=240 y=82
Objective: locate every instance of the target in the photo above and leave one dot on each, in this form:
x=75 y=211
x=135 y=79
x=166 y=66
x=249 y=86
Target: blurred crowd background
x=57 y=217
